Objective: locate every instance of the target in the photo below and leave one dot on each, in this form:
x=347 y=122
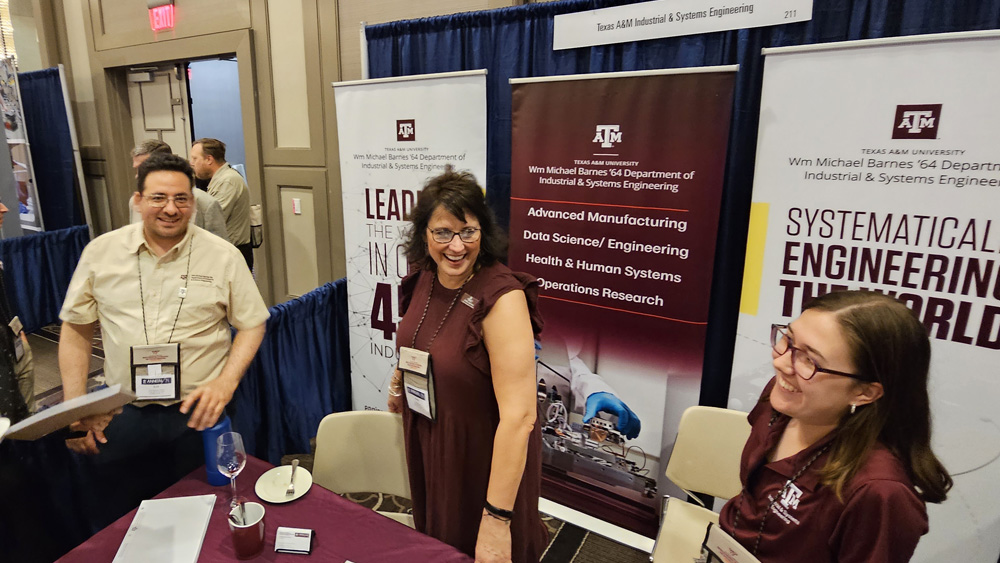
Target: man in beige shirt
x=208 y=158
x=162 y=284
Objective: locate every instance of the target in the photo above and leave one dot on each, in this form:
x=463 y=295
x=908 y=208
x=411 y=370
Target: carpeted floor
x=567 y=543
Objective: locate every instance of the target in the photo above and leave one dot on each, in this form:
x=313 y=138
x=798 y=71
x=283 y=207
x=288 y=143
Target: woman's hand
x=493 y=543
x=394 y=401
x=395 y=404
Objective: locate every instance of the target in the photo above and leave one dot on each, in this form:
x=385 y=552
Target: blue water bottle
x=208 y=438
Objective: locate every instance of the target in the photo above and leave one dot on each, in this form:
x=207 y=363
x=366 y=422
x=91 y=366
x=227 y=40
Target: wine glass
x=231 y=458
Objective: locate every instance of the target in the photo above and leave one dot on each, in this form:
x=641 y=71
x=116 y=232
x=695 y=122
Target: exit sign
x=161 y=17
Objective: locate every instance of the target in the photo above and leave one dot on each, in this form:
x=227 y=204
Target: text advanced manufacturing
x=607 y=218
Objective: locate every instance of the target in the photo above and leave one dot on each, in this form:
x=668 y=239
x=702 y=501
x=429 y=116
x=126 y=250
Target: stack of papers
x=169 y=530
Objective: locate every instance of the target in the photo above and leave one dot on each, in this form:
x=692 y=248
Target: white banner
x=671 y=18
x=878 y=167
x=394 y=135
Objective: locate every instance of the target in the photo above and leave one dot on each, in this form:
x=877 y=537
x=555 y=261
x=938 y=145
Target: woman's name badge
x=720 y=547
x=418 y=382
x=156 y=372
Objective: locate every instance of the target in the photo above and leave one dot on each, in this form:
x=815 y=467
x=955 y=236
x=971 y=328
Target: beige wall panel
x=293 y=98
x=299 y=237
x=330 y=58
x=303 y=262
x=288 y=72
x=353 y=12
x=97 y=193
x=83 y=88
x=119 y=23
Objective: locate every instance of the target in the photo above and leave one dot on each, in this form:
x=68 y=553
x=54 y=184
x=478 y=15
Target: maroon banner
x=615 y=191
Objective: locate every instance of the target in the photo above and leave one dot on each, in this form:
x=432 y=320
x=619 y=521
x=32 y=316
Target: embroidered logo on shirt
x=199 y=278
x=790 y=499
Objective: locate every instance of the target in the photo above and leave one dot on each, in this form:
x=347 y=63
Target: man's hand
x=211 y=397
x=94 y=425
x=86 y=445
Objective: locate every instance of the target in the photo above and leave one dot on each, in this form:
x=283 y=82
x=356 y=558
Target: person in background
x=839 y=465
x=208 y=212
x=166 y=294
x=208 y=158
x=17 y=374
x=475 y=468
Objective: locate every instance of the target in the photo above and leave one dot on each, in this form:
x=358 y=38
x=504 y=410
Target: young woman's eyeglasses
x=445 y=236
x=159 y=200
x=803 y=365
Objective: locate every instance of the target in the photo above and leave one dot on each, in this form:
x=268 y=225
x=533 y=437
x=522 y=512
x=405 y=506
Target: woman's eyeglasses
x=445 y=236
x=804 y=366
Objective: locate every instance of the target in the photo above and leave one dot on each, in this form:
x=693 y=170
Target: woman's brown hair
x=888 y=343
x=458 y=193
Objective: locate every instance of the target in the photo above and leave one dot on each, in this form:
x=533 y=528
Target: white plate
x=272 y=485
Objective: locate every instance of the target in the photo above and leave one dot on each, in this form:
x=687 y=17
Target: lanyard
x=781 y=493
x=443 y=319
x=183 y=293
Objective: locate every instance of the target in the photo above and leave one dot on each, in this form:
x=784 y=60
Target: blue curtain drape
x=302 y=373
x=37 y=270
x=517 y=42
x=51 y=148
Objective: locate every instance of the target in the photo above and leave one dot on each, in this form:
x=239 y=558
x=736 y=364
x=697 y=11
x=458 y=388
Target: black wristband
x=499 y=512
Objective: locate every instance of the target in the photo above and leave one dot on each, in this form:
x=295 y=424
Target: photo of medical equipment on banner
x=614 y=208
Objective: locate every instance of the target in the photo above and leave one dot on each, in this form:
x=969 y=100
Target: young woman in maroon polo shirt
x=838 y=465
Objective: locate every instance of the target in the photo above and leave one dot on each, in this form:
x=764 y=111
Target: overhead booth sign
x=394 y=135
x=616 y=182
x=878 y=167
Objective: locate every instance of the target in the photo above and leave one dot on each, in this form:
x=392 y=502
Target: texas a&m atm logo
x=608 y=135
x=406 y=130
x=917 y=122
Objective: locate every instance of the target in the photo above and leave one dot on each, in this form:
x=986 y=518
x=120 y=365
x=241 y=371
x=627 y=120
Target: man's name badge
x=418 y=381
x=156 y=372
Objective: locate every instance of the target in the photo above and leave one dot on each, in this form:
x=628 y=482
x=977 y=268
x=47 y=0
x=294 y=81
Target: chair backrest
x=361 y=451
x=706 y=454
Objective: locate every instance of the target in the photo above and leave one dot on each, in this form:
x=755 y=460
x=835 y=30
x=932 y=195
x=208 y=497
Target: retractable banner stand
x=878 y=167
x=394 y=135
x=615 y=188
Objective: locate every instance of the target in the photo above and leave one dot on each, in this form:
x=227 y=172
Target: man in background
x=208 y=213
x=208 y=158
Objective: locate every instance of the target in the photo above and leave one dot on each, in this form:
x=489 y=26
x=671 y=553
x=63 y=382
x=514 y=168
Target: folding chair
x=362 y=451
x=705 y=459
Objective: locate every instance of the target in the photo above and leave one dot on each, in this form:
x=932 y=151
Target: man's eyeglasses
x=803 y=365
x=445 y=236
x=181 y=201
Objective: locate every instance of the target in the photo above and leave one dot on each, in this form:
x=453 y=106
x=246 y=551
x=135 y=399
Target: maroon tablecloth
x=344 y=530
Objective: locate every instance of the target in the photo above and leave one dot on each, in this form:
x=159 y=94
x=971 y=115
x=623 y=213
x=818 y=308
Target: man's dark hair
x=149 y=146
x=159 y=161
x=213 y=148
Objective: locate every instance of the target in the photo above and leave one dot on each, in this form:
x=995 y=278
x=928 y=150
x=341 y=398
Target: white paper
x=169 y=530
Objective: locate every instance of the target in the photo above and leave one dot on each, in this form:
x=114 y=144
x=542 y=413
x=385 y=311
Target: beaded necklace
x=781 y=493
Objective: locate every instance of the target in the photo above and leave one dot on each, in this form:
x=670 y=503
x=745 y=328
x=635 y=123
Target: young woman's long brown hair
x=888 y=342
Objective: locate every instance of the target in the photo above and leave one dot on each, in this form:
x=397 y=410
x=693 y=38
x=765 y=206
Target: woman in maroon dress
x=838 y=465
x=475 y=462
